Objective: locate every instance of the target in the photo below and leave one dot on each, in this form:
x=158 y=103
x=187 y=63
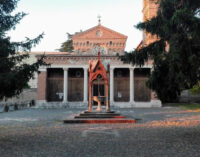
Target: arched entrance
x=98 y=90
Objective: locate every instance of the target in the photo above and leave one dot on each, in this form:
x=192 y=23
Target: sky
x=57 y=17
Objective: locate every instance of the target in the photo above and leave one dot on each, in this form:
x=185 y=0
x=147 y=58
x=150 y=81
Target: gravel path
x=159 y=132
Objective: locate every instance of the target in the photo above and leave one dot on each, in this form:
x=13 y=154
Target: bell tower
x=150 y=8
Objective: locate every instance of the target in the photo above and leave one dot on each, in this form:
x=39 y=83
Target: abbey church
x=65 y=82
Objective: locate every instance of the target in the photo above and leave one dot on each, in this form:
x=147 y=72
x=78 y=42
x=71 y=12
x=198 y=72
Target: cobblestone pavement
x=159 y=132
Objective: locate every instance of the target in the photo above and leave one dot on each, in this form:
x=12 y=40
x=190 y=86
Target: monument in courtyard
x=99 y=95
x=99 y=78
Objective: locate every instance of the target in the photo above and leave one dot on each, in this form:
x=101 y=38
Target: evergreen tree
x=67 y=46
x=178 y=24
x=14 y=72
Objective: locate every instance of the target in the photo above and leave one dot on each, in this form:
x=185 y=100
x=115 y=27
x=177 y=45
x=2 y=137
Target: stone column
x=111 y=85
x=131 y=85
x=85 y=90
x=65 y=88
x=107 y=102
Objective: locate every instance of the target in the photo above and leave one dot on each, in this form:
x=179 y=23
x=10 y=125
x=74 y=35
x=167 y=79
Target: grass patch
x=190 y=106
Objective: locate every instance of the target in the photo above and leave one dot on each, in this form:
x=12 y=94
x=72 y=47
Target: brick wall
x=150 y=9
x=109 y=39
x=41 y=90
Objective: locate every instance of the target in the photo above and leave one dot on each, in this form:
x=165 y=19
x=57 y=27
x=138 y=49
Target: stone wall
x=24 y=98
x=187 y=96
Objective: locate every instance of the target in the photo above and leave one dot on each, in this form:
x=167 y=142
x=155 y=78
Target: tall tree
x=178 y=24
x=67 y=46
x=14 y=72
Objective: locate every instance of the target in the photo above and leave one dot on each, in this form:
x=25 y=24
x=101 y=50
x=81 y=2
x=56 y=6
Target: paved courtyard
x=159 y=132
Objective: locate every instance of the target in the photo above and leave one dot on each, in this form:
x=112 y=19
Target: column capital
x=65 y=69
x=43 y=69
x=131 y=68
x=85 y=68
x=112 y=68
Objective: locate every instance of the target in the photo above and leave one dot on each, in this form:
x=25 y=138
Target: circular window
x=98 y=33
x=78 y=74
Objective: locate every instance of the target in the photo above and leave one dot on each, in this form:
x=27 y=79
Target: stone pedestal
x=99 y=117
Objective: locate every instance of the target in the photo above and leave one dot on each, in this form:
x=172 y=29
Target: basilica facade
x=65 y=81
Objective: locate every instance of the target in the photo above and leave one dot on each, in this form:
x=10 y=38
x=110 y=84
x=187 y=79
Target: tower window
x=110 y=42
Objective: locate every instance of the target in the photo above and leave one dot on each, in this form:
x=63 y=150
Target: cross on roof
x=99 y=17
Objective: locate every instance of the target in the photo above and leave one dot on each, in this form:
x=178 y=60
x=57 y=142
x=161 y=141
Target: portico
x=118 y=96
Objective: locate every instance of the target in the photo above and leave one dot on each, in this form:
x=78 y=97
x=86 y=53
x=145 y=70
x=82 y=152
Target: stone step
x=98 y=112
x=98 y=121
x=99 y=116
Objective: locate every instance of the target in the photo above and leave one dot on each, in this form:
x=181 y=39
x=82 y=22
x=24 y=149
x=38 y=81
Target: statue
x=95 y=98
